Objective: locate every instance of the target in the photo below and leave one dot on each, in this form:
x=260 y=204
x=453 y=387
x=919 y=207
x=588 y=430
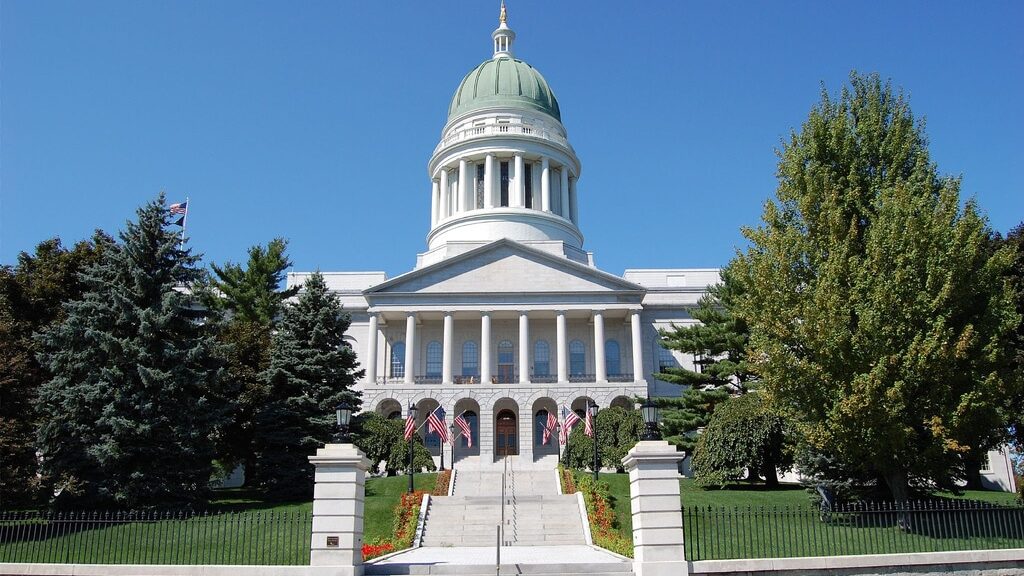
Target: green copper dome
x=504 y=82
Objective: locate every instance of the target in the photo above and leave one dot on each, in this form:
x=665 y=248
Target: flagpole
x=184 y=223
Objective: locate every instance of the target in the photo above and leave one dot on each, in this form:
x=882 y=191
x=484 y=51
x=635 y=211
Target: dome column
x=574 y=214
x=565 y=191
x=545 y=184
x=519 y=197
x=435 y=191
x=489 y=181
x=445 y=202
x=463 y=185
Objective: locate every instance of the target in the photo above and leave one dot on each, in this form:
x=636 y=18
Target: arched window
x=612 y=360
x=398 y=360
x=506 y=361
x=540 y=422
x=470 y=359
x=474 y=428
x=665 y=357
x=434 y=359
x=577 y=358
x=541 y=358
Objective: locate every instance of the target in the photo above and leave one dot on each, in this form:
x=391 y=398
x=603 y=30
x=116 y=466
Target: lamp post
x=412 y=414
x=593 y=420
x=649 y=410
x=451 y=436
x=343 y=415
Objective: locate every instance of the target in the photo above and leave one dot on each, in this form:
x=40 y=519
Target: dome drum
x=522 y=224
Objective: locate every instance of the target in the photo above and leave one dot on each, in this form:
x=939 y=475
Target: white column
x=657 y=514
x=371 y=351
x=524 y=348
x=463 y=185
x=410 y=348
x=444 y=211
x=489 y=181
x=574 y=205
x=338 y=493
x=600 y=368
x=545 y=184
x=565 y=191
x=519 y=195
x=435 y=189
x=446 y=360
x=638 y=348
x=485 y=347
x=563 y=359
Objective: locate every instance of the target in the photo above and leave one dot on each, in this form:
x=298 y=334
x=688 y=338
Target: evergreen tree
x=879 y=314
x=31 y=294
x=719 y=346
x=250 y=301
x=311 y=371
x=129 y=412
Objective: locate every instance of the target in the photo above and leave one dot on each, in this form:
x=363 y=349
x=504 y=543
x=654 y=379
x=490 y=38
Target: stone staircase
x=535 y=514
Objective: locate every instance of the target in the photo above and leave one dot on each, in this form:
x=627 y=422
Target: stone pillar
x=485 y=347
x=565 y=191
x=560 y=347
x=338 y=491
x=524 y=348
x=653 y=468
x=435 y=189
x=445 y=210
x=489 y=181
x=519 y=197
x=410 y=348
x=446 y=359
x=371 y=351
x=463 y=185
x=600 y=368
x=638 y=347
x=574 y=205
x=545 y=184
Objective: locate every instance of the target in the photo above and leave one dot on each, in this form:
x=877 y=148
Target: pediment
x=504 y=267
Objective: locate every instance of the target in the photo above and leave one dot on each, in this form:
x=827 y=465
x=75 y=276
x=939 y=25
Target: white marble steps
x=539 y=520
x=580 y=569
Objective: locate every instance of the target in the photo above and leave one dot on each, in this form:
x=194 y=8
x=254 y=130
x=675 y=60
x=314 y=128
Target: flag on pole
x=436 y=424
x=410 y=427
x=569 y=419
x=179 y=208
x=180 y=221
x=549 y=427
x=466 y=430
x=588 y=424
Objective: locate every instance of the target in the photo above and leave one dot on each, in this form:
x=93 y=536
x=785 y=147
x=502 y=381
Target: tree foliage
x=31 y=294
x=311 y=371
x=128 y=415
x=879 y=316
x=744 y=434
x=618 y=430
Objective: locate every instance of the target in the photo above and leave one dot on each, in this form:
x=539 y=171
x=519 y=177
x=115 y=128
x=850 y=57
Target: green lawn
x=246 y=530
x=747 y=521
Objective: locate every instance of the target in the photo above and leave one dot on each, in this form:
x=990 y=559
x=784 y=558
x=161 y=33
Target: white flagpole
x=184 y=223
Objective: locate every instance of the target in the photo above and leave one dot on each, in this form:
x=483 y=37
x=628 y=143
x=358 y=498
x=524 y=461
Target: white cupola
x=504 y=167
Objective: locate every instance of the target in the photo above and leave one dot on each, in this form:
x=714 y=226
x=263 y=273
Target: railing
x=528 y=130
x=624 y=377
x=508 y=379
x=719 y=533
x=247 y=538
x=582 y=377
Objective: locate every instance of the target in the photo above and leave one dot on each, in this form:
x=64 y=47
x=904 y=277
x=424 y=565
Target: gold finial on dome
x=503 y=18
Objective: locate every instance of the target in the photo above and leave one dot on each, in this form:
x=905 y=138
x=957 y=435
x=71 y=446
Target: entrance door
x=506 y=437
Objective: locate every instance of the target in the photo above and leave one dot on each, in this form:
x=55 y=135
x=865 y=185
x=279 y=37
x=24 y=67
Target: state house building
x=505 y=318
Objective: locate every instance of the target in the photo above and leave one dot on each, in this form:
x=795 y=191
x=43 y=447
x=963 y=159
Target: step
x=602 y=569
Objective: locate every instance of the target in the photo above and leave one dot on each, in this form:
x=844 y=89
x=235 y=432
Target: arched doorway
x=506 y=434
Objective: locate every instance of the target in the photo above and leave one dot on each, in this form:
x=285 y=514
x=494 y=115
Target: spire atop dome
x=503 y=36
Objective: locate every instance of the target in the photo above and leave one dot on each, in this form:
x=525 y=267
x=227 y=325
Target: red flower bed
x=441 y=488
x=377 y=549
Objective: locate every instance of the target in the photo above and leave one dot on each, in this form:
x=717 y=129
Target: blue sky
x=314 y=120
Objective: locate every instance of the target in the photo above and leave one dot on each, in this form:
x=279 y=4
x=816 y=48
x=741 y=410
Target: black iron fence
x=248 y=538
x=719 y=533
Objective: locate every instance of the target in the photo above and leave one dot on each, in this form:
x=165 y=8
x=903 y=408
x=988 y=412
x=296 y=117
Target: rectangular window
x=504 y=183
x=480 y=186
x=528 y=173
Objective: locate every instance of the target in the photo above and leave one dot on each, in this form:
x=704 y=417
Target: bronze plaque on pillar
x=332 y=541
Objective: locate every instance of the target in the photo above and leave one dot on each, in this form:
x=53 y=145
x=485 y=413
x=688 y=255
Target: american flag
x=569 y=419
x=588 y=424
x=435 y=424
x=410 y=427
x=179 y=208
x=466 y=431
x=549 y=427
